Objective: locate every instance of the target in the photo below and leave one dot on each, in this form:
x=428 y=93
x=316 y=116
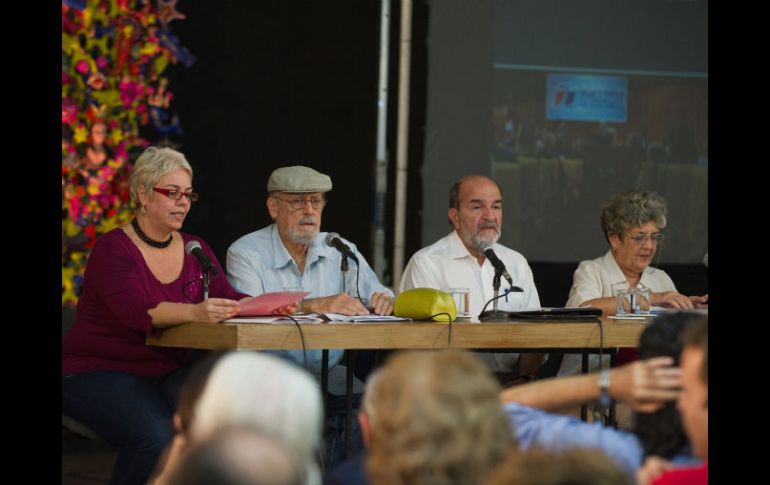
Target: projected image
x=563 y=143
x=586 y=98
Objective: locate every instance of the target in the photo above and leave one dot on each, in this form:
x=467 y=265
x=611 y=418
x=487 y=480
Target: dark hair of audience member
x=661 y=433
x=577 y=466
x=697 y=336
x=192 y=389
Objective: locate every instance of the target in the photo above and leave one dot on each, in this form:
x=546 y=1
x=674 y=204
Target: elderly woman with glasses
x=631 y=222
x=139 y=278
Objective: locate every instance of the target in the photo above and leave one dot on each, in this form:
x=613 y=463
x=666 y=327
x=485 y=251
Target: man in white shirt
x=476 y=213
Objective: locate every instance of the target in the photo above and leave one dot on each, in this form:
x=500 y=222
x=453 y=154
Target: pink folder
x=268 y=303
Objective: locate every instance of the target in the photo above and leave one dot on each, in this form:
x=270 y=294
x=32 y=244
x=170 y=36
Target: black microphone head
x=483 y=246
x=188 y=248
x=331 y=237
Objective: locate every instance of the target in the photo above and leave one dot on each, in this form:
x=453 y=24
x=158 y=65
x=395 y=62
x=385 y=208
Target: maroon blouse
x=112 y=322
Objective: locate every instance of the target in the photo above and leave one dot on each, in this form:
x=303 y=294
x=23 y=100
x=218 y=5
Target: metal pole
x=402 y=140
x=381 y=164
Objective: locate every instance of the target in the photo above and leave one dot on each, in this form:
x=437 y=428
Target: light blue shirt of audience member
x=259 y=263
x=555 y=432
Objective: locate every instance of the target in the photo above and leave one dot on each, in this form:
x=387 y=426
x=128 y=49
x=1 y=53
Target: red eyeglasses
x=177 y=194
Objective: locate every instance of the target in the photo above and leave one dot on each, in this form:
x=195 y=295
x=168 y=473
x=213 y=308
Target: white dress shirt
x=594 y=279
x=447 y=263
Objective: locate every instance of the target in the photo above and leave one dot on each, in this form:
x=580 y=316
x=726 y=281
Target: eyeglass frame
x=191 y=196
x=656 y=238
x=321 y=203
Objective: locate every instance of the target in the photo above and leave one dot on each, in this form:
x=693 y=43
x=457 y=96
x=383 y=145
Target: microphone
x=706 y=260
x=485 y=248
x=333 y=240
x=194 y=248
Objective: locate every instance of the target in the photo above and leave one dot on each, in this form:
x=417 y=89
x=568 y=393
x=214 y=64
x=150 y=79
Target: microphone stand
x=494 y=314
x=205 y=283
x=325 y=352
x=344 y=270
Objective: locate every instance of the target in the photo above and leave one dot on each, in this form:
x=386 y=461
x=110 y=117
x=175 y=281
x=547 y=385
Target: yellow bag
x=424 y=303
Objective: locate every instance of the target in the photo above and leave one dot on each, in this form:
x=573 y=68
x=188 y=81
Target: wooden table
x=547 y=334
x=544 y=335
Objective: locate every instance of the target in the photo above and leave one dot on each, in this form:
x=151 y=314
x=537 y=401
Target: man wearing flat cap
x=292 y=253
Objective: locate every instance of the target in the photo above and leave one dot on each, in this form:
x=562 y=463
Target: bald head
x=238 y=456
x=454 y=192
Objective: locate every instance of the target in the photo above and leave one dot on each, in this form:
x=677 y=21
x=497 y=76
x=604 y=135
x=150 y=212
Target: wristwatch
x=604 y=388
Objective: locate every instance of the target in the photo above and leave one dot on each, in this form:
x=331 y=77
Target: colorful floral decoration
x=114 y=54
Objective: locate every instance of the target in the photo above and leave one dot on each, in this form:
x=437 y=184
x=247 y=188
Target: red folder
x=269 y=303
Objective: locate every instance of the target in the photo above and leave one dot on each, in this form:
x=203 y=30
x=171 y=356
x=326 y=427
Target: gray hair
x=266 y=393
x=153 y=164
x=631 y=209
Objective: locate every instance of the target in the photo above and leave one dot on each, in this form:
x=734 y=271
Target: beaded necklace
x=144 y=237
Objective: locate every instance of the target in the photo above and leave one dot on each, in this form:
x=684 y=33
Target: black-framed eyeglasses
x=299 y=204
x=177 y=194
x=656 y=238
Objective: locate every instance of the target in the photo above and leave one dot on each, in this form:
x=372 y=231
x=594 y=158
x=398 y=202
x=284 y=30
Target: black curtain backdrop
x=288 y=82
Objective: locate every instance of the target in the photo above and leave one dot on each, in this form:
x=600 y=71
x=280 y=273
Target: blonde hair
x=266 y=393
x=153 y=164
x=438 y=421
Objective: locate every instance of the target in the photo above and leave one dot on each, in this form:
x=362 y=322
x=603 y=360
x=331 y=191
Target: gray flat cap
x=298 y=179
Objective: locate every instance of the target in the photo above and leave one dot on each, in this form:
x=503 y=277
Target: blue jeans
x=131 y=412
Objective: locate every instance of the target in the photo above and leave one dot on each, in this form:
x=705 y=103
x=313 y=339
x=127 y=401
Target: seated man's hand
x=381 y=304
x=341 y=303
x=646 y=384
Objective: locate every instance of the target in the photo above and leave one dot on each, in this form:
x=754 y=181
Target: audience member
x=238 y=456
x=693 y=404
x=188 y=395
x=646 y=385
x=436 y=420
x=269 y=394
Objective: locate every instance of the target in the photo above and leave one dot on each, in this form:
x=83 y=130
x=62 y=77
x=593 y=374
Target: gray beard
x=476 y=239
x=299 y=238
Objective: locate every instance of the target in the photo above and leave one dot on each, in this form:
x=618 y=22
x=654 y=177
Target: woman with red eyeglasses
x=140 y=278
